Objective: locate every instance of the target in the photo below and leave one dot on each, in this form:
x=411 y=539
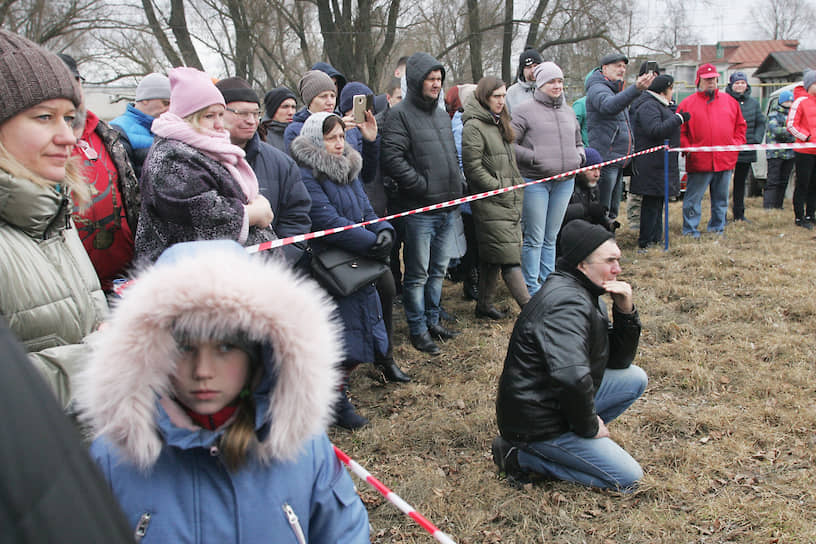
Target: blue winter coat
x=338 y=199
x=279 y=182
x=294 y=128
x=165 y=470
x=607 y=116
x=136 y=125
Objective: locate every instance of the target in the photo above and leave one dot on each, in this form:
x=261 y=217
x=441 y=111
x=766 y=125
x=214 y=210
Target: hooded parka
x=165 y=470
x=489 y=164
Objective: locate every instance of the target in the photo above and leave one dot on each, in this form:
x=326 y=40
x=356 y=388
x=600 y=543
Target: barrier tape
x=392 y=497
x=744 y=147
x=272 y=244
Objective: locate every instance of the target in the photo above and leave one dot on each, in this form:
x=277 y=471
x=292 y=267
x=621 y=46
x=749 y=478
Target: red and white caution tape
x=319 y=234
x=392 y=497
x=745 y=147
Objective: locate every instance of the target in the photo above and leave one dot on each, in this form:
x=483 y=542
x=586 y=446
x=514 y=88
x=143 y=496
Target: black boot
x=345 y=415
x=488 y=276
x=391 y=371
x=470 y=285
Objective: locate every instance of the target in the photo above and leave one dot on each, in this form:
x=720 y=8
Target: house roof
x=736 y=54
x=784 y=64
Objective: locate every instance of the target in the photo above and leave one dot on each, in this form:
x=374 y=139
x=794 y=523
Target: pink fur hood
x=215 y=293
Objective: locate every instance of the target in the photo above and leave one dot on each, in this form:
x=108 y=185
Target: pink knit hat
x=192 y=90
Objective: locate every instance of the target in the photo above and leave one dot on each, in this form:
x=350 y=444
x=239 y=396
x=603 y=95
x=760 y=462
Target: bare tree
x=784 y=19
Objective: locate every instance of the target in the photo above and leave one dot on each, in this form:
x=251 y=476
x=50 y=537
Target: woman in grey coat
x=548 y=142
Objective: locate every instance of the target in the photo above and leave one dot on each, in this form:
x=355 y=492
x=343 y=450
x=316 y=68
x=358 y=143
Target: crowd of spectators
x=211 y=356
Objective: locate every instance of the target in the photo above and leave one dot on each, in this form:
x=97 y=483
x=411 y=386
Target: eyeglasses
x=246 y=115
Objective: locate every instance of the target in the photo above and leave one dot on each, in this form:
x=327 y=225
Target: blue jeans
x=610 y=186
x=692 y=201
x=542 y=214
x=596 y=462
x=426 y=254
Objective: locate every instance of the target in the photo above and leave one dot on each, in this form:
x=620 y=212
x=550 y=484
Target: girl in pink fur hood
x=209 y=392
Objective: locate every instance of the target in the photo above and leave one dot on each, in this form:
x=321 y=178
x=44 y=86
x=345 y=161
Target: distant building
x=728 y=57
x=785 y=66
x=108 y=101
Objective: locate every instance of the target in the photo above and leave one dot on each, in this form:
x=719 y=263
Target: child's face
x=209 y=375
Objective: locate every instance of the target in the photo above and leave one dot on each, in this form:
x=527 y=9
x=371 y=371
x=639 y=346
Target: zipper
x=141 y=527
x=294 y=523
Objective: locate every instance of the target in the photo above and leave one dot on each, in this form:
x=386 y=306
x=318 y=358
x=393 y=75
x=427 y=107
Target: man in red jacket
x=716 y=119
x=801 y=123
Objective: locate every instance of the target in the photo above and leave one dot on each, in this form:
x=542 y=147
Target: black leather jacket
x=561 y=345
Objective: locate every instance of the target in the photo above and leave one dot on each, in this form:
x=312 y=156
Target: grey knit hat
x=313 y=127
x=153 y=86
x=29 y=75
x=808 y=78
x=313 y=83
x=547 y=71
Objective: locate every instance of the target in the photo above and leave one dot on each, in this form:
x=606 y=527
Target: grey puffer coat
x=548 y=137
x=490 y=163
x=49 y=293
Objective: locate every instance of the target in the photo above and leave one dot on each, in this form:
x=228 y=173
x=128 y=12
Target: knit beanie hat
x=785 y=96
x=313 y=127
x=312 y=84
x=153 y=86
x=346 y=101
x=236 y=89
x=592 y=157
x=661 y=83
x=738 y=76
x=808 y=78
x=579 y=238
x=274 y=98
x=29 y=75
x=192 y=90
x=547 y=71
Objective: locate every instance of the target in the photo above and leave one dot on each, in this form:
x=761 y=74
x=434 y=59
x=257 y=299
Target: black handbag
x=342 y=273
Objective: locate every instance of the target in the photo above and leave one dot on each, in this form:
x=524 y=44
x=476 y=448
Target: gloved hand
x=684 y=115
x=381 y=249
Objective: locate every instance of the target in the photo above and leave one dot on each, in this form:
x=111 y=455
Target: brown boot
x=488 y=284
x=514 y=280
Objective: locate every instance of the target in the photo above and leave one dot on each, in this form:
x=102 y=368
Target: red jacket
x=716 y=121
x=802 y=118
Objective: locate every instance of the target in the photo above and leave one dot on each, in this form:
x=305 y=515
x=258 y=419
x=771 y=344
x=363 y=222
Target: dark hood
x=419 y=65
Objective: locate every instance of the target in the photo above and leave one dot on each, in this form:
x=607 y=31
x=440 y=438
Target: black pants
x=779 y=171
x=738 y=202
x=804 y=194
x=651 y=220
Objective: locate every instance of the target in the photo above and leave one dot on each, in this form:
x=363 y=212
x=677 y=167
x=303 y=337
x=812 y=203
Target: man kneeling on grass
x=568 y=373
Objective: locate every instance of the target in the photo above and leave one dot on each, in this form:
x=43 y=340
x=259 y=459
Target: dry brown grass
x=726 y=431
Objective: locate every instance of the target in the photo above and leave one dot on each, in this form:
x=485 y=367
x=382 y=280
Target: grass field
x=726 y=431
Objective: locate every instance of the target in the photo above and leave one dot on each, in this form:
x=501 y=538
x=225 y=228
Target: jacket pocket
x=294 y=523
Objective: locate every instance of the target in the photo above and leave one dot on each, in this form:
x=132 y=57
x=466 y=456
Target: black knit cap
x=579 y=238
x=29 y=75
x=274 y=98
x=236 y=89
x=529 y=57
x=661 y=83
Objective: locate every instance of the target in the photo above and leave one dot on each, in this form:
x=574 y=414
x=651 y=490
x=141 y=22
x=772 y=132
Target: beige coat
x=49 y=292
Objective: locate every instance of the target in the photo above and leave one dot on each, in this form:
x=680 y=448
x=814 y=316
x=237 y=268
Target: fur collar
x=341 y=169
x=132 y=358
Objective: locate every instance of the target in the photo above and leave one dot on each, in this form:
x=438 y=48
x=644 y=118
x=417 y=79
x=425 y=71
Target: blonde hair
x=74 y=180
x=195 y=118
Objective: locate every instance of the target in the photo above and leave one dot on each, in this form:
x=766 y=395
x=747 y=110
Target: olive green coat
x=489 y=163
x=49 y=292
